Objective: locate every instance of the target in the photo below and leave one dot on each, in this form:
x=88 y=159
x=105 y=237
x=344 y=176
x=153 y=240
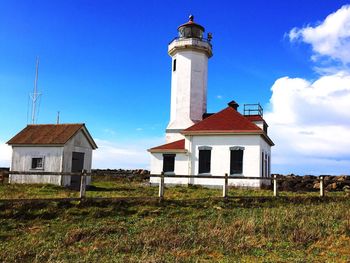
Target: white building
x=51 y=148
x=199 y=143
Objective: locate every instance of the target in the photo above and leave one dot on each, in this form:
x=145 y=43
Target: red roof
x=254 y=117
x=41 y=134
x=227 y=120
x=177 y=145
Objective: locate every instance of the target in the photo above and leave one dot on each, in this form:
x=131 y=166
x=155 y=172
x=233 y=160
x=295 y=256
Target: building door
x=77 y=167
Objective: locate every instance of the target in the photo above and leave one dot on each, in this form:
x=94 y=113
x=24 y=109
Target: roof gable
x=49 y=134
x=177 y=146
x=227 y=120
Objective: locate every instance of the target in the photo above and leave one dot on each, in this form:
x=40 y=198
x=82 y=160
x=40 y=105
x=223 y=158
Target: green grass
x=253 y=226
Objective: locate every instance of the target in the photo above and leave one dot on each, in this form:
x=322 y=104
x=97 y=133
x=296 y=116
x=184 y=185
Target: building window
x=204 y=159
x=174 y=65
x=236 y=160
x=38 y=163
x=266 y=167
x=168 y=163
x=262 y=164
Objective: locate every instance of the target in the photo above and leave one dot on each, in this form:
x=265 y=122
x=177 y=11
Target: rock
x=308 y=178
x=341 y=178
x=144 y=172
x=346 y=188
x=316 y=185
x=287 y=186
x=331 y=187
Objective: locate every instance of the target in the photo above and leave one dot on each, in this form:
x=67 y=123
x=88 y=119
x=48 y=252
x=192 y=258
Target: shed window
x=236 y=162
x=38 y=163
x=168 y=162
x=204 y=161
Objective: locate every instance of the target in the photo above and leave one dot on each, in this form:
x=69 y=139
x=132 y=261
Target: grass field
x=251 y=226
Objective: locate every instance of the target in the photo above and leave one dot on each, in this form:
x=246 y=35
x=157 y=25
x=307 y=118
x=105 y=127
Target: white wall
x=260 y=124
x=266 y=149
x=220 y=159
x=22 y=161
x=56 y=159
x=188 y=90
x=181 y=168
x=78 y=143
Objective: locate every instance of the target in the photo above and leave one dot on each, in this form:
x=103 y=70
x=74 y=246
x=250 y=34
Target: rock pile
x=312 y=183
x=102 y=172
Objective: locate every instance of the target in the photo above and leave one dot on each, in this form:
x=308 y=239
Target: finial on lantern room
x=191 y=17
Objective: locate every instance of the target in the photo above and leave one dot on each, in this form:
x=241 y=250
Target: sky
x=105 y=63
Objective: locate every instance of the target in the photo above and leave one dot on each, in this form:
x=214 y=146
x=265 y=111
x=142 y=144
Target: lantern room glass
x=190 y=32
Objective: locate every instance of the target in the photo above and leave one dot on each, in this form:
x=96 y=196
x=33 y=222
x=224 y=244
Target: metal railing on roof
x=253 y=109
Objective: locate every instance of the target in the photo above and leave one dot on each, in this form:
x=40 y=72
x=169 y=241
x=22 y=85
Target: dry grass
x=300 y=228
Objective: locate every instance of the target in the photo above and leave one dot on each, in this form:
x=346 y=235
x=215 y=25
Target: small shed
x=51 y=148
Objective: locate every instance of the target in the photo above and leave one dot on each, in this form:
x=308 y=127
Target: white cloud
x=125 y=155
x=310 y=120
x=109 y=131
x=5 y=155
x=310 y=124
x=219 y=97
x=331 y=38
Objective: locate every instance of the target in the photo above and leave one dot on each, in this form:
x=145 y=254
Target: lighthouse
x=201 y=144
x=190 y=52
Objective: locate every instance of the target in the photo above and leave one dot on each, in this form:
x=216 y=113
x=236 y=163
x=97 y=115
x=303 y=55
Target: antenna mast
x=35 y=95
x=58 y=118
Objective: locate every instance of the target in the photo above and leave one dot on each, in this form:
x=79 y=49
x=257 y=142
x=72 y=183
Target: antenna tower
x=35 y=95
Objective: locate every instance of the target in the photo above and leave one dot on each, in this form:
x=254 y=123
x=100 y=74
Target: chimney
x=233 y=105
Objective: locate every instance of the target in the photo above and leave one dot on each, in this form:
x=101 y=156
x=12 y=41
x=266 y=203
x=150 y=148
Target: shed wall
x=22 y=161
x=78 y=143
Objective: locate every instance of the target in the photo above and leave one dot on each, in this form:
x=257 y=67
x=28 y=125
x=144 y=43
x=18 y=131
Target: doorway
x=77 y=167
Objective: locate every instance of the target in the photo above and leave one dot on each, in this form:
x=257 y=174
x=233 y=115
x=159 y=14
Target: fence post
x=161 y=186
x=275 y=186
x=82 y=184
x=321 y=186
x=225 y=187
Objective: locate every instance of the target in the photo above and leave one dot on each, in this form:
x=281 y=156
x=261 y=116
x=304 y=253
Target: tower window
x=204 y=161
x=168 y=163
x=236 y=164
x=174 y=65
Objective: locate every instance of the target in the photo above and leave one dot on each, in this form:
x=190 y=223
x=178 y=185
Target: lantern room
x=191 y=29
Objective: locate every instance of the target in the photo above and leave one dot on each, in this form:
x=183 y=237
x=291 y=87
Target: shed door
x=77 y=166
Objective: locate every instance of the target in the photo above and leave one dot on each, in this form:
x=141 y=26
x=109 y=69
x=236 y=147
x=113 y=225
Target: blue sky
x=105 y=63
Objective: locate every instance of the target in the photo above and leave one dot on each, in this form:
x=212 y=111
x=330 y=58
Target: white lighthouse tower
x=190 y=53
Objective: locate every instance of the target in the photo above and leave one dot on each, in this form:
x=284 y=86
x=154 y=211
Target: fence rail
x=225 y=179
x=225 y=182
